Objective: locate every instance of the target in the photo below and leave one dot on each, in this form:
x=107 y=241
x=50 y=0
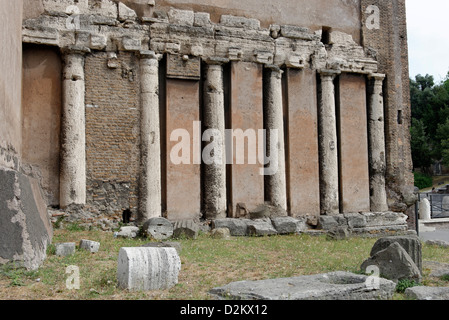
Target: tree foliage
x=430 y=120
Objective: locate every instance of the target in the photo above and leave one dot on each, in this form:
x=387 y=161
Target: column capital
x=329 y=73
x=216 y=61
x=377 y=76
x=75 y=50
x=275 y=70
x=149 y=54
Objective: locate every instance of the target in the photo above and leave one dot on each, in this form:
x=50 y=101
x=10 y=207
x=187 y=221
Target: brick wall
x=112 y=132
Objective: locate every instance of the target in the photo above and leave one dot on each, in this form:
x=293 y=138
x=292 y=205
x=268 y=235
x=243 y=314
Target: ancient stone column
x=150 y=193
x=377 y=145
x=214 y=158
x=329 y=180
x=73 y=148
x=274 y=120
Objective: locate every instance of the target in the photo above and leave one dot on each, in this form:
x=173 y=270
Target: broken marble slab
x=331 y=286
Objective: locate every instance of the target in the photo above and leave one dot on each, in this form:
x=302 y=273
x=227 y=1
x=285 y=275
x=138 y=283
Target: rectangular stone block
x=303 y=154
x=353 y=134
x=184 y=153
x=246 y=118
x=65 y=249
x=178 y=68
x=89 y=245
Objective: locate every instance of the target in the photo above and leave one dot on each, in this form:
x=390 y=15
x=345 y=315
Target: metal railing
x=439 y=204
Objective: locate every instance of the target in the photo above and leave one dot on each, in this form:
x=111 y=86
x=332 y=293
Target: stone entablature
x=192 y=35
x=262 y=61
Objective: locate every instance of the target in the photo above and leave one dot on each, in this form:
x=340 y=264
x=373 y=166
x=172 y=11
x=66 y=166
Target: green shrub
x=445 y=277
x=406 y=283
x=422 y=180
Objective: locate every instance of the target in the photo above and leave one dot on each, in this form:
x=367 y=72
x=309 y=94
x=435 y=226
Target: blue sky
x=428 y=37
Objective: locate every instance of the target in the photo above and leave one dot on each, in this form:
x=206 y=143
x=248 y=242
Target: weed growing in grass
x=73 y=227
x=404 y=284
x=445 y=277
x=16 y=274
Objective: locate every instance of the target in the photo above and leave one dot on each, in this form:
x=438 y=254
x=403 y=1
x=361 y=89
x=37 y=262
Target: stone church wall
x=330 y=76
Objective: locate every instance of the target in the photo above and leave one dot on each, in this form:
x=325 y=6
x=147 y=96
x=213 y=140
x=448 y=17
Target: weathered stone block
x=267 y=211
x=338 y=233
x=98 y=41
x=66 y=6
x=131 y=44
x=427 y=293
x=158 y=228
x=237 y=227
x=183 y=68
x=89 y=245
x=65 y=249
x=125 y=13
x=331 y=286
x=355 y=220
x=185 y=228
x=239 y=22
x=411 y=244
x=330 y=222
x=221 y=233
x=374 y=219
x=260 y=227
x=289 y=225
x=201 y=19
x=127 y=232
x=296 y=32
x=181 y=17
x=145 y=269
x=394 y=263
x=25 y=228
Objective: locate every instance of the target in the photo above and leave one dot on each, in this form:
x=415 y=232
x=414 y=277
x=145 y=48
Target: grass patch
x=206 y=263
x=16 y=275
